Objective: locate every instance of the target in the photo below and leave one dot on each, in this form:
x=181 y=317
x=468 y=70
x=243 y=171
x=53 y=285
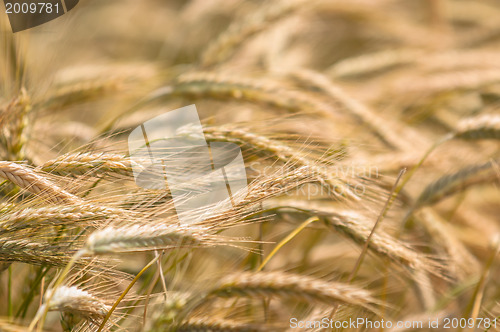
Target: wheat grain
x=74 y=300
x=461 y=263
x=228 y=87
x=281 y=152
x=292 y=285
x=453 y=183
x=440 y=83
x=89 y=163
x=145 y=237
x=374 y=62
x=27 y=251
x=13 y=220
x=220 y=325
x=27 y=179
x=238 y=32
x=386 y=130
x=485 y=126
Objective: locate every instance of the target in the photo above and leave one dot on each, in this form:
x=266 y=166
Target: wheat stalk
x=227 y=87
x=26 y=178
x=209 y=324
x=485 y=126
x=387 y=130
x=281 y=152
x=461 y=180
x=462 y=262
x=145 y=237
x=7 y=326
x=48 y=216
x=89 y=163
x=373 y=62
x=75 y=300
x=238 y=32
x=27 y=251
x=439 y=83
x=301 y=287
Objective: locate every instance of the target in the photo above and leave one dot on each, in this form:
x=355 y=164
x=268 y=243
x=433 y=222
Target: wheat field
x=370 y=132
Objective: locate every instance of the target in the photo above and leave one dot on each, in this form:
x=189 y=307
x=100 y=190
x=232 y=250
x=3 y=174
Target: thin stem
x=379 y=219
x=129 y=287
x=474 y=305
x=286 y=240
x=160 y=270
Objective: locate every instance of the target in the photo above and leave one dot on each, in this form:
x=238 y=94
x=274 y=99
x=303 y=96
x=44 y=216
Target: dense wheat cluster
x=370 y=132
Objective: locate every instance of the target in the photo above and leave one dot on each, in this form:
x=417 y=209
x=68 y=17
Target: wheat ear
x=240 y=31
x=27 y=179
x=355 y=227
x=281 y=152
x=462 y=263
x=383 y=128
x=15 y=130
x=75 y=300
x=145 y=237
x=461 y=180
x=219 y=325
x=246 y=284
x=438 y=83
x=48 y=216
x=374 y=62
x=79 y=92
x=227 y=87
x=485 y=126
x=88 y=163
x=25 y=251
